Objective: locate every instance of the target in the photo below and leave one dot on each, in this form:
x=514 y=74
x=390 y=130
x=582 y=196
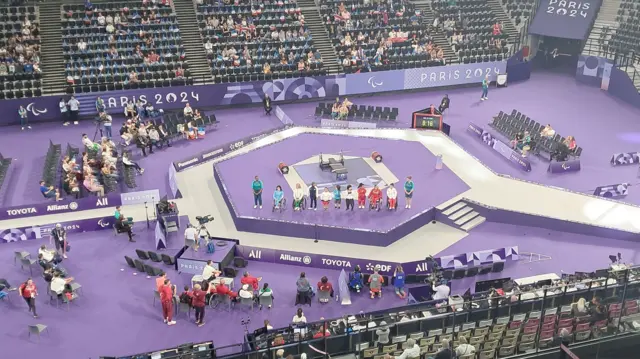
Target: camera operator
x=440 y=291
x=106 y=121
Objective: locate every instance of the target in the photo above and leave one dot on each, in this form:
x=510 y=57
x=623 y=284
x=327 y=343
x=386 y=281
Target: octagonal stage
x=401 y=158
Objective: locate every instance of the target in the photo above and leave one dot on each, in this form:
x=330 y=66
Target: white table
x=536 y=278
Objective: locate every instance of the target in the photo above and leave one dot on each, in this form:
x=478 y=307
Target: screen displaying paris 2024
x=565 y=19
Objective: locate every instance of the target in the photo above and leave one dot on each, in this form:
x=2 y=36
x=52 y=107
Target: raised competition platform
x=301 y=153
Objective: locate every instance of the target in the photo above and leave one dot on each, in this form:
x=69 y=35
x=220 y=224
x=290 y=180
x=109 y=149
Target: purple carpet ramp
x=457 y=261
x=401 y=159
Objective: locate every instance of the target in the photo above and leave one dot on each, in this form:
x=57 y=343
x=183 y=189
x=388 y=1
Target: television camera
x=202 y=229
x=435 y=277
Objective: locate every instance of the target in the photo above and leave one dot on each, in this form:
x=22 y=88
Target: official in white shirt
x=47 y=255
x=441 y=291
x=210 y=272
x=412 y=351
x=191 y=237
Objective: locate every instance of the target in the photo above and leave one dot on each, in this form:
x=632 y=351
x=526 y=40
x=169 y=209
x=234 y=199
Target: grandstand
x=533 y=251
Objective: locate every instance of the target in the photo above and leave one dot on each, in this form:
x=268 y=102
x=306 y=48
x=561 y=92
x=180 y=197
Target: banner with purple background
x=173 y=98
x=386 y=268
x=612 y=191
x=572 y=165
x=43 y=231
x=41 y=209
x=500 y=147
x=565 y=19
x=218 y=151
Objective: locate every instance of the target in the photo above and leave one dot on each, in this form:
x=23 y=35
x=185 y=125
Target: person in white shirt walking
x=392 y=196
x=74 y=108
x=64 y=112
x=190 y=237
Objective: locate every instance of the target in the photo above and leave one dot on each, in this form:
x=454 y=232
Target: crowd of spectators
x=472 y=29
x=265 y=39
x=113 y=43
x=378 y=35
x=19 y=51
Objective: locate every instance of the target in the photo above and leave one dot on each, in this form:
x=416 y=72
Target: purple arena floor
x=115 y=301
x=601 y=124
x=29 y=159
x=432 y=187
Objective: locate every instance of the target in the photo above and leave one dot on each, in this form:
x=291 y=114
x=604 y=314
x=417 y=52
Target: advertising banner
x=43 y=231
x=612 y=191
x=565 y=19
x=462 y=74
x=173 y=182
x=45 y=108
x=161 y=239
x=594 y=70
x=193 y=266
x=628 y=158
x=140 y=197
x=328 y=123
x=386 y=268
x=502 y=148
x=41 y=209
x=222 y=150
x=564 y=166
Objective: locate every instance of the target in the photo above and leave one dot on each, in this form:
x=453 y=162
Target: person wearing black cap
x=444 y=104
x=60 y=238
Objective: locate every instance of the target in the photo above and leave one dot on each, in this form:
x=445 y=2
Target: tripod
x=98 y=128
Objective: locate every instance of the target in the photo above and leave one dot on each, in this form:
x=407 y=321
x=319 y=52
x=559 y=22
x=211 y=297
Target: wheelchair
x=389 y=205
x=375 y=206
x=303 y=204
x=281 y=207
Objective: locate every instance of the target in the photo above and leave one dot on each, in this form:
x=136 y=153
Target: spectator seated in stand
x=49 y=191
x=378 y=36
x=121 y=45
x=470 y=25
x=248 y=41
x=20 y=52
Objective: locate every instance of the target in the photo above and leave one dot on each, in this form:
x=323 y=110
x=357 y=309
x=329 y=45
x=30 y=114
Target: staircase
x=603 y=28
x=52 y=61
x=439 y=38
x=199 y=68
x=508 y=26
x=460 y=214
x=321 y=40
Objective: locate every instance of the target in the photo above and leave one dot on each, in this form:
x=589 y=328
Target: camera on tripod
x=202 y=220
x=435 y=276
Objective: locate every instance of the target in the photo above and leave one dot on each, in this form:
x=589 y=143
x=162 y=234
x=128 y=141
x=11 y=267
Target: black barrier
x=420 y=321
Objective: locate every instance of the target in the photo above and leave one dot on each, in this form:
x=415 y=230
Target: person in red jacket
x=199 y=296
x=166 y=298
x=322 y=331
x=375 y=196
x=250 y=280
x=28 y=292
x=222 y=289
x=362 y=196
